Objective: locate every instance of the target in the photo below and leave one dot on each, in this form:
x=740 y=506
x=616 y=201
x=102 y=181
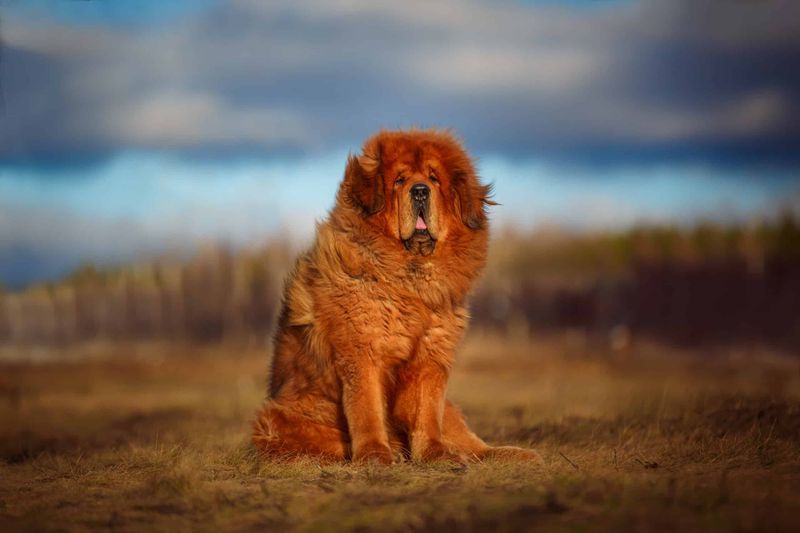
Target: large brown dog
x=373 y=312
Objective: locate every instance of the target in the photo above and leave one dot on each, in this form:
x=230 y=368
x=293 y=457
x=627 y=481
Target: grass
x=143 y=437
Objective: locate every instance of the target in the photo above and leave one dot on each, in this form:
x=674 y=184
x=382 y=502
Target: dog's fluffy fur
x=373 y=312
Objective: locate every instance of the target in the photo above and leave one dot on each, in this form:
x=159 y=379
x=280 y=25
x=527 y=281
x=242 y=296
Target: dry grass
x=139 y=437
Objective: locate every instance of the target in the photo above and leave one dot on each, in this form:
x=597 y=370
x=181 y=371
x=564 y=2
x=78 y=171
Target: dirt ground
x=155 y=437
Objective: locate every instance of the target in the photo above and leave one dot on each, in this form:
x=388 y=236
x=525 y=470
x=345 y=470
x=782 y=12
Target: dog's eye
x=433 y=178
x=399 y=181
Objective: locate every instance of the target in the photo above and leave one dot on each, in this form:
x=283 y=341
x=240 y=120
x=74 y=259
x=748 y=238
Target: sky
x=132 y=128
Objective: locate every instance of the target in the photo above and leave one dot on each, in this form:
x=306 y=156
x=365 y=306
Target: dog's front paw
x=373 y=452
x=437 y=451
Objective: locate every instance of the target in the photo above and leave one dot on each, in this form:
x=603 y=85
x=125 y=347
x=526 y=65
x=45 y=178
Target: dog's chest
x=389 y=317
x=398 y=324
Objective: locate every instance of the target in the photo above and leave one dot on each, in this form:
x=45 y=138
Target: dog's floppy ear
x=472 y=196
x=364 y=176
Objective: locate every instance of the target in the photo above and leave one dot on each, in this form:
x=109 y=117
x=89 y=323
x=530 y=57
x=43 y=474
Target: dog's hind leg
x=458 y=437
x=461 y=440
x=281 y=433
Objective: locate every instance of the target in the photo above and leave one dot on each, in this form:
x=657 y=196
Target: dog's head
x=417 y=186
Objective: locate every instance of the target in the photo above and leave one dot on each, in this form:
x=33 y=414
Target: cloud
x=709 y=78
x=179 y=120
x=42 y=243
x=472 y=69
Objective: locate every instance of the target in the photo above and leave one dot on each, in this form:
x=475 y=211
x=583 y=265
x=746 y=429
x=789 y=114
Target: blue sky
x=133 y=128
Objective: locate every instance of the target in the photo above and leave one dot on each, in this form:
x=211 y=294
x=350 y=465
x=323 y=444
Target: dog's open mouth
x=421 y=241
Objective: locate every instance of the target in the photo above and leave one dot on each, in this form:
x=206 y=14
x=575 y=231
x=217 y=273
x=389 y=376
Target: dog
x=373 y=312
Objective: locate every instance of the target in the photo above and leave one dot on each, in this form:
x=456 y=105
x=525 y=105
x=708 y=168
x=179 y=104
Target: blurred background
x=638 y=323
x=162 y=162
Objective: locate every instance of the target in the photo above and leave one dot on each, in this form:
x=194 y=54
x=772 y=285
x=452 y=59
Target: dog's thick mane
x=361 y=250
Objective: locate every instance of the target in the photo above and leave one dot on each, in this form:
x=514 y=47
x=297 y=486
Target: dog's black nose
x=420 y=192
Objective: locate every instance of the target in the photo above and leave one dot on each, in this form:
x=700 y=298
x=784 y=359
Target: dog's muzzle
x=421 y=241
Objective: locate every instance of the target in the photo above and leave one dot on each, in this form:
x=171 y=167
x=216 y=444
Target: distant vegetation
x=215 y=295
x=709 y=283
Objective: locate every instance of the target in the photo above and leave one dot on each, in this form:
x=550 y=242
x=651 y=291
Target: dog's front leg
x=419 y=409
x=364 y=409
x=419 y=401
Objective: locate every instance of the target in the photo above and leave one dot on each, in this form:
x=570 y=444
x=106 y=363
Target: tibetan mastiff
x=373 y=312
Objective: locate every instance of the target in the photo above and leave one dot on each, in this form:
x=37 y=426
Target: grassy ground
x=155 y=437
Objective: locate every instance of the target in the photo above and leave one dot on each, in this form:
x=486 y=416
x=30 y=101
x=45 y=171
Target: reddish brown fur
x=369 y=327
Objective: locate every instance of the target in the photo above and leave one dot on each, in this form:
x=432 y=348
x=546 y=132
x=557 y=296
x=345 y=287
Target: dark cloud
x=704 y=79
x=45 y=244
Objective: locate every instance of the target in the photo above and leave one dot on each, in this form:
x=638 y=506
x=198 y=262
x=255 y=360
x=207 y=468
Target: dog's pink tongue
x=420 y=223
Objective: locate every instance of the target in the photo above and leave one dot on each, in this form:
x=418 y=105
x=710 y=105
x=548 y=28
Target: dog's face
x=418 y=187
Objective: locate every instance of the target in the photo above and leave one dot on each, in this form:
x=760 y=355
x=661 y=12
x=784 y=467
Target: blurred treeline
x=216 y=295
x=708 y=283
x=704 y=284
